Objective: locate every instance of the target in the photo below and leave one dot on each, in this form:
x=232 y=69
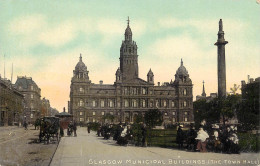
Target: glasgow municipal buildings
x=130 y=95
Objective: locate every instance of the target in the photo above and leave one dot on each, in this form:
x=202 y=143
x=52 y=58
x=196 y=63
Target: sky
x=44 y=39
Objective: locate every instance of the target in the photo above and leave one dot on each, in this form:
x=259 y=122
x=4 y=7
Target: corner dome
x=80 y=65
x=182 y=70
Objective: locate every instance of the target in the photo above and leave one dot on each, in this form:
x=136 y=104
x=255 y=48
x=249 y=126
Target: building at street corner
x=11 y=104
x=45 y=107
x=32 y=97
x=130 y=95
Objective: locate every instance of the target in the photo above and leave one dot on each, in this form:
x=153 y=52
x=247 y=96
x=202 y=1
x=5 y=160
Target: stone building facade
x=45 y=107
x=130 y=95
x=11 y=104
x=32 y=97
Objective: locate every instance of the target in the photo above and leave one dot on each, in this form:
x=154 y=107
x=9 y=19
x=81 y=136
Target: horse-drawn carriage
x=49 y=129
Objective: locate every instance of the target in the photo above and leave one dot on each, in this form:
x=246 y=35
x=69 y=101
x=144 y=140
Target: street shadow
x=34 y=141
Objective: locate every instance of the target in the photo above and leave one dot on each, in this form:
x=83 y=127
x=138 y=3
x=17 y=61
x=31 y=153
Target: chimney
x=158 y=83
x=248 y=78
x=101 y=82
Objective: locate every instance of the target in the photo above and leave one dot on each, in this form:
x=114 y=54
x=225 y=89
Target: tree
x=109 y=117
x=153 y=117
x=234 y=89
x=138 y=118
x=219 y=108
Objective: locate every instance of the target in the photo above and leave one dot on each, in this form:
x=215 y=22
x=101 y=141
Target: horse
x=49 y=129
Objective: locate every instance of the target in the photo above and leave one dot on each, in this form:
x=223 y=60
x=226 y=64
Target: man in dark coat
x=180 y=137
x=144 y=141
x=191 y=141
x=89 y=128
x=75 y=129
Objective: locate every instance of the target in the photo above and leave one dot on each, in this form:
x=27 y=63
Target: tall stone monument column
x=221 y=61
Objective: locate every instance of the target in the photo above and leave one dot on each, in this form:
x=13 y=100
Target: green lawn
x=167 y=138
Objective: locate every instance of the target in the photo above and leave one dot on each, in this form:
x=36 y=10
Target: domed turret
x=182 y=74
x=182 y=70
x=80 y=65
x=81 y=71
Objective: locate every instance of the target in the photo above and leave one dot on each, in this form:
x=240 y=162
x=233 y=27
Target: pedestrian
x=61 y=131
x=202 y=140
x=180 y=137
x=191 y=141
x=75 y=129
x=25 y=125
x=89 y=128
x=144 y=141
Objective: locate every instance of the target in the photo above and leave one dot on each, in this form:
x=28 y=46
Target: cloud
x=25 y=25
x=58 y=35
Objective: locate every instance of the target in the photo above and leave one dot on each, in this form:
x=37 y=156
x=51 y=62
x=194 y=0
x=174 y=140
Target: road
x=21 y=147
x=88 y=149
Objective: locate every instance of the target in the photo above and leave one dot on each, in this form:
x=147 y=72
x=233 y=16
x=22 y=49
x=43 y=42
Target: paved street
x=21 y=147
x=88 y=149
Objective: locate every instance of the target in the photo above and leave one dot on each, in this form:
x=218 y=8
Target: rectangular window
x=164 y=103
x=144 y=104
x=103 y=113
x=184 y=92
x=110 y=103
x=144 y=91
x=31 y=96
x=173 y=105
x=94 y=113
x=80 y=113
x=94 y=120
x=102 y=104
x=185 y=113
x=173 y=120
x=165 y=113
x=81 y=119
x=31 y=87
x=81 y=103
x=94 y=103
x=173 y=113
x=186 y=119
x=184 y=104
x=126 y=103
x=80 y=89
x=111 y=113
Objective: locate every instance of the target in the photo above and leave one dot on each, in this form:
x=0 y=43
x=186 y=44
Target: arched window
x=151 y=104
x=173 y=104
x=164 y=103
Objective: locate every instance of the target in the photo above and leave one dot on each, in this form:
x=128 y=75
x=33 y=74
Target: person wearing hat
x=180 y=137
x=191 y=141
x=217 y=143
x=202 y=140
